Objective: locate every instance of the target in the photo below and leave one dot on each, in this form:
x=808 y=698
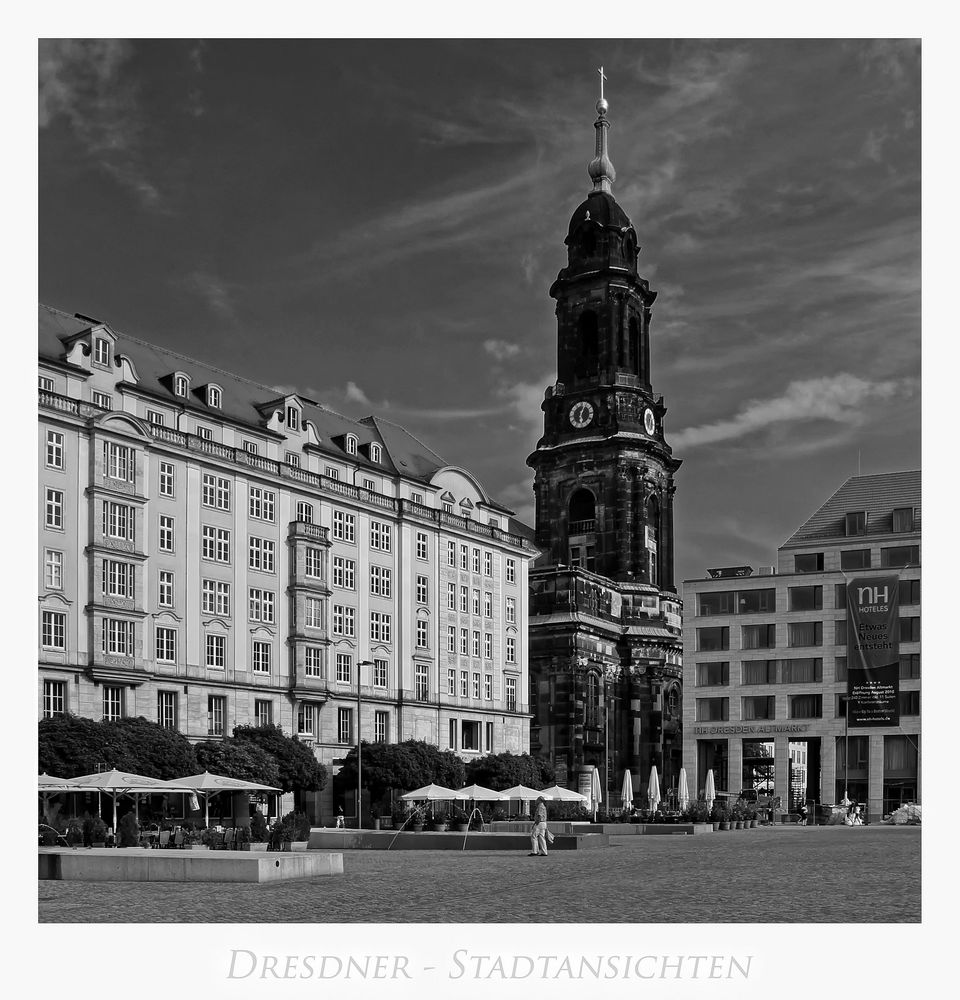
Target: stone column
x=781 y=763
x=875 y=779
x=828 y=768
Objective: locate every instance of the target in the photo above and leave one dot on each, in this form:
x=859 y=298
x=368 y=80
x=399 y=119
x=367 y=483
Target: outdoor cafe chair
x=164 y=839
x=178 y=837
x=229 y=838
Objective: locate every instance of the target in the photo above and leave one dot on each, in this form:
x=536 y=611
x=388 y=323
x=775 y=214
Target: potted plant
x=129 y=830
x=98 y=833
x=459 y=820
x=74 y=833
x=416 y=820
x=258 y=831
x=281 y=835
x=242 y=839
x=725 y=819
x=375 y=814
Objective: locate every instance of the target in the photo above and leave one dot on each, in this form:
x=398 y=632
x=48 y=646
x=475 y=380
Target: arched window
x=351 y=444
x=588 y=342
x=375 y=453
x=593 y=700
x=180 y=385
x=634 y=361
x=652 y=539
x=214 y=396
x=582 y=511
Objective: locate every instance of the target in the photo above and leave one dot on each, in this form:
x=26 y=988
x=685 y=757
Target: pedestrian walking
x=339 y=817
x=538 y=831
x=803 y=815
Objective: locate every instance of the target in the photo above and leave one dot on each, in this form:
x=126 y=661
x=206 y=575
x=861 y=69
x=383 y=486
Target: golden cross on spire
x=602 y=78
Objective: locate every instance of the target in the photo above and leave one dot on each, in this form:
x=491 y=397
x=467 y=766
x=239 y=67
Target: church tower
x=605 y=642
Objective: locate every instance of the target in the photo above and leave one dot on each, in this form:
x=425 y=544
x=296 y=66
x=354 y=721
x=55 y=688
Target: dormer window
x=181 y=385
x=376 y=453
x=214 y=396
x=293 y=418
x=351 y=444
x=251 y=447
x=101 y=351
x=903 y=519
x=856 y=522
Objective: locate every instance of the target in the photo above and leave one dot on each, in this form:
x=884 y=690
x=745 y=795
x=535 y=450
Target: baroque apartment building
x=765 y=658
x=213 y=553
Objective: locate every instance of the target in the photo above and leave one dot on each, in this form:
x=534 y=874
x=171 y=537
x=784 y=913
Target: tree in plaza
x=436 y=766
x=69 y=745
x=153 y=750
x=504 y=770
x=386 y=767
x=241 y=759
x=298 y=769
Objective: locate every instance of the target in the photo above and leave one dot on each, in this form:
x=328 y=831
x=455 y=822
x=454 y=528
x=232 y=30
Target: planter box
x=256 y=845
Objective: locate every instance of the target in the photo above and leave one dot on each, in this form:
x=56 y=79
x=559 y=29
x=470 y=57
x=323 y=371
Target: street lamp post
x=360 y=665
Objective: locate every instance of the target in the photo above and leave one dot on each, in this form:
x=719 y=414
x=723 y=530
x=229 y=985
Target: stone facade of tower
x=605 y=640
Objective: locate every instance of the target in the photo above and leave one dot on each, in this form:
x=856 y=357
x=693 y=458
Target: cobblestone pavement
x=792 y=874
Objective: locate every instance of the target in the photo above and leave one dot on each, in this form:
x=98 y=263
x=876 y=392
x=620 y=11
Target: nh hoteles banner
x=873 y=651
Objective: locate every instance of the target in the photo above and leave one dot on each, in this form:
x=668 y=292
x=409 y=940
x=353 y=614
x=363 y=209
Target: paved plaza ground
x=790 y=874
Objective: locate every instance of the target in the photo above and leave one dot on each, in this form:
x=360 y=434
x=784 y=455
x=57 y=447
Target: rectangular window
x=119 y=637
x=380 y=727
x=909 y=591
x=488 y=687
x=313 y=662
x=855 y=523
x=155 y=418
x=422 y=590
x=475 y=606
x=344 y=668
x=452 y=737
x=489 y=737
x=119 y=462
x=118 y=521
x=840 y=596
x=713 y=709
x=251 y=447
x=313 y=612
x=511 y=649
x=293 y=459
x=451 y=553
x=380 y=668
x=719 y=602
x=464 y=683
x=215 y=595
x=805 y=634
x=102 y=399
x=206 y=433
x=464 y=598
x=713 y=674
x=451 y=639
x=511 y=693
x=804 y=670
x=464 y=557
x=717 y=637
x=216 y=492
x=261 y=657
x=370 y=485
x=164 y=534
x=332 y=473
x=216 y=709
x=910 y=667
x=54 y=450
x=808 y=562
x=840 y=668
x=511 y=571
x=262 y=606
x=167 y=709
x=910 y=629
x=305 y=512
x=379 y=627
x=54 y=698
x=475 y=647
x=759 y=636
x=344 y=573
x=423 y=682
x=45 y=384
x=262 y=503
x=53 y=509
x=840 y=632
x=903 y=519
x=511 y=612
x=855 y=559
x=53 y=569
x=763 y=707
x=380 y=536
x=488 y=645
x=166 y=644
x=216 y=651
x=101 y=351
x=167 y=479
x=422 y=634
x=475 y=563
x=54 y=630
x=901 y=555
x=476 y=686
x=380 y=581
x=307 y=719
x=452 y=596
x=909 y=702
x=344 y=620
x=758 y=672
x=451 y=682
x=313 y=562
x=293 y=418
x=215 y=544
x=804 y=598
x=463 y=642
x=263 y=712
x=488 y=564
x=422 y=547
x=805 y=706
x=117 y=578
x=261 y=554
x=487 y=604
x=416 y=498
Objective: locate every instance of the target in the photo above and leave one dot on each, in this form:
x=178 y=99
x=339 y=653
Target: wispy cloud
x=84 y=82
x=214 y=291
x=501 y=350
x=837 y=398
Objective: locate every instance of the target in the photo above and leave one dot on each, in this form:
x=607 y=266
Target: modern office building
x=765 y=658
x=214 y=552
x=605 y=643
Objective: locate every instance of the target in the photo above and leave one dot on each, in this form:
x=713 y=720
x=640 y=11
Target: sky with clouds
x=376 y=223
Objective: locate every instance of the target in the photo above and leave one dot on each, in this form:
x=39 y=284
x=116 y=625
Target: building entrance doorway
x=712 y=755
x=803 y=772
x=758 y=766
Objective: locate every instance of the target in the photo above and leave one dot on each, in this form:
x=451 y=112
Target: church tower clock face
x=649 y=424
x=581 y=414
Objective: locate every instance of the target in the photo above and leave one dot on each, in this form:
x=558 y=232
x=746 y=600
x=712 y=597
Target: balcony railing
x=586 y=527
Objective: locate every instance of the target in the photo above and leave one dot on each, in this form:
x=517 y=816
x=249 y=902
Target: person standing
x=538 y=832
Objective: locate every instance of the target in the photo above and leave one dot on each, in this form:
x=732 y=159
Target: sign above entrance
x=771 y=727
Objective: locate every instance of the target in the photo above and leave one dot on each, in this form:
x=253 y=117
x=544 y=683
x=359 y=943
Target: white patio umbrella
x=653 y=788
x=683 y=792
x=626 y=791
x=596 y=790
x=208 y=784
x=477 y=793
x=433 y=793
x=49 y=785
x=558 y=794
x=709 y=791
x=120 y=783
x=522 y=793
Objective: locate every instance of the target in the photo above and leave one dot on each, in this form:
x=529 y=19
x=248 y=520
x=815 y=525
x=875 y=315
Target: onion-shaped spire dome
x=601 y=168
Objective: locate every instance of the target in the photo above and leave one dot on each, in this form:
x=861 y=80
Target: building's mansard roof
x=878 y=495
x=250 y=403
